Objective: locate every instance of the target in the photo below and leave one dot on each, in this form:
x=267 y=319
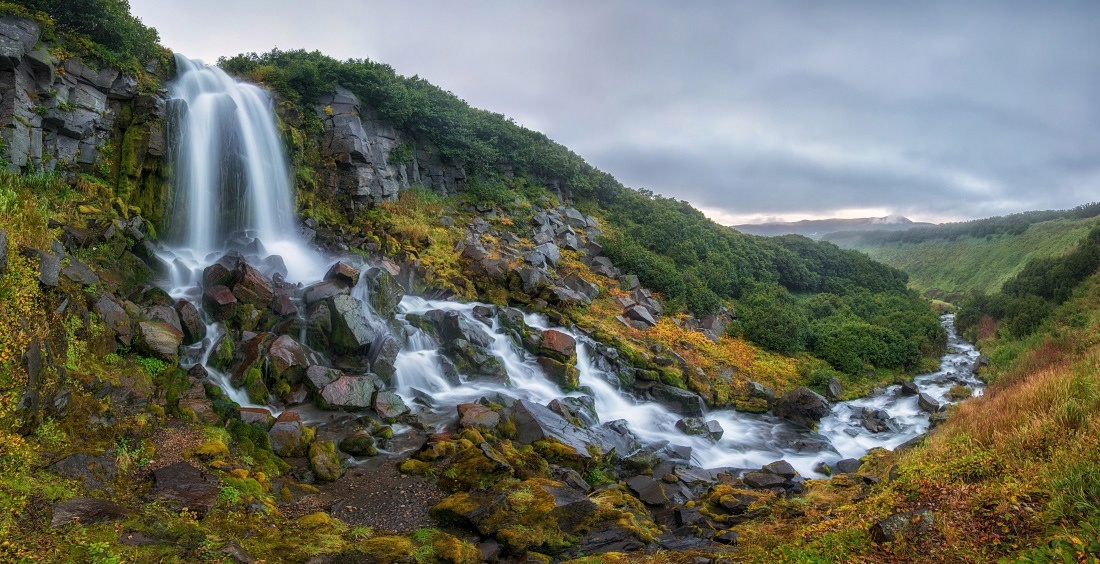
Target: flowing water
x=234 y=192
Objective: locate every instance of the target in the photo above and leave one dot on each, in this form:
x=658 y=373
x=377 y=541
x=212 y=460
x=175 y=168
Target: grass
x=950 y=269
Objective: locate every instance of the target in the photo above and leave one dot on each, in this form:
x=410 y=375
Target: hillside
x=954 y=267
x=821 y=228
x=385 y=326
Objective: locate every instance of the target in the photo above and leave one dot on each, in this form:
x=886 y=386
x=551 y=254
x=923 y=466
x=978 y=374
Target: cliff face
x=68 y=117
x=369 y=162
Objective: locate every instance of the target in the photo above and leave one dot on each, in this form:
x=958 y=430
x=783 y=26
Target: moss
x=324 y=462
x=320 y=520
x=557 y=453
x=456 y=551
x=472 y=469
x=212 y=449
x=223 y=353
x=385 y=550
x=253 y=383
x=415 y=467
x=614 y=504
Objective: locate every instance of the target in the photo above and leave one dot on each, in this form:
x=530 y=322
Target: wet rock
x=475 y=415
x=282 y=306
x=908 y=389
x=833 y=390
x=323 y=461
x=257 y=416
x=763 y=480
x=802 y=406
x=194 y=330
x=385 y=292
x=877 y=421
x=159 y=339
x=928 y=403
x=559 y=346
x=780 y=468
x=383 y=356
x=184 y=486
x=85 y=511
x=254 y=288
x=351 y=329
x=700 y=427
x=360 y=443
x=220 y=302
x=164 y=314
x=535 y=422
x=650 y=491
x=389 y=406
x=343 y=273
x=322 y=291
x=678 y=400
x=583 y=408
x=287 y=359
x=97 y=472
x=349 y=392
x=564 y=375
x=288 y=437
x=317 y=376
x=847 y=466
x=902 y=525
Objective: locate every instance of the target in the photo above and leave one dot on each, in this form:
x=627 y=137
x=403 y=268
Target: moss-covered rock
x=324 y=462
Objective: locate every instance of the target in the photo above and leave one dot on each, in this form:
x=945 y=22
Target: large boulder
x=678 y=400
x=254 y=288
x=343 y=273
x=115 y=317
x=182 y=485
x=351 y=329
x=349 y=392
x=383 y=357
x=389 y=406
x=194 y=330
x=558 y=346
x=324 y=462
x=159 y=339
x=288 y=435
x=802 y=406
x=288 y=359
x=535 y=422
x=219 y=301
x=385 y=292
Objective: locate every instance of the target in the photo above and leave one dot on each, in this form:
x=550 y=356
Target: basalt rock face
x=72 y=118
x=373 y=160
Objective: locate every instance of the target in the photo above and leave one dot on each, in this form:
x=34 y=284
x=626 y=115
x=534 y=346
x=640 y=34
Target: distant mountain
x=818 y=228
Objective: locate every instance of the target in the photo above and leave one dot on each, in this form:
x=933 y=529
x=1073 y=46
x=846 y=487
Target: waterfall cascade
x=233 y=193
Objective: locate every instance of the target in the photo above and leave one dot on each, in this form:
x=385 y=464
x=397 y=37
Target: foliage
x=103 y=30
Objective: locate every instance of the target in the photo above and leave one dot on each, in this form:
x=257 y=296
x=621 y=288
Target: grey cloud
x=930 y=109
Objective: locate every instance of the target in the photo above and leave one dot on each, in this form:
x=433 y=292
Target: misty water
x=234 y=191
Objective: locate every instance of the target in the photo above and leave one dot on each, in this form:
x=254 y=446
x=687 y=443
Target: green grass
x=951 y=269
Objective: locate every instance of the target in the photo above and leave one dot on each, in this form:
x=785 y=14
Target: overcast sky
x=748 y=110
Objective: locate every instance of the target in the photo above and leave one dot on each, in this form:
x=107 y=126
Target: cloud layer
x=749 y=110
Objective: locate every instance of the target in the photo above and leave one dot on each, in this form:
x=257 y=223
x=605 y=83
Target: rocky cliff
x=66 y=116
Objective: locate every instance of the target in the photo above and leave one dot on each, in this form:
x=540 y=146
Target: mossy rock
x=361 y=443
x=564 y=375
x=324 y=462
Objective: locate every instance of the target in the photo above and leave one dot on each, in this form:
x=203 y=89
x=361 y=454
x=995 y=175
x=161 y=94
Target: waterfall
x=232 y=179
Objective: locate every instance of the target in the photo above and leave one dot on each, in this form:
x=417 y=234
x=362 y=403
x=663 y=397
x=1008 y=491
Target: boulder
x=565 y=375
x=349 y=392
x=49 y=269
x=928 y=403
x=317 y=376
x=343 y=273
x=220 y=302
x=833 y=390
x=194 y=330
x=85 y=511
x=550 y=252
x=115 y=317
x=475 y=415
x=802 y=406
x=847 y=466
x=287 y=359
x=163 y=314
x=80 y=273
x=909 y=389
x=159 y=339
x=351 y=329
x=780 y=468
x=254 y=288
x=763 y=480
x=532 y=280
x=640 y=314
x=184 y=486
x=389 y=406
x=678 y=400
x=322 y=291
x=536 y=422
x=359 y=443
x=288 y=436
x=324 y=462
x=581 y=286
x=257 y=416
x=385 y=292
x=699 y=426
x=650 y=491
x=558 y=346
x=96 y=472
x=383 y=357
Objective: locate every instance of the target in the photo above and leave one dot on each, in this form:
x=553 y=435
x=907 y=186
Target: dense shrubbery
x=1025 y=301
x=102 y=30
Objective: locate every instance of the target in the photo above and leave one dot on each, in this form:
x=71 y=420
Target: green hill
x=957 y=264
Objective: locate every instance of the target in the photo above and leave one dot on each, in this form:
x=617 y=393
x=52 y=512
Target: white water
x=233 y=191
